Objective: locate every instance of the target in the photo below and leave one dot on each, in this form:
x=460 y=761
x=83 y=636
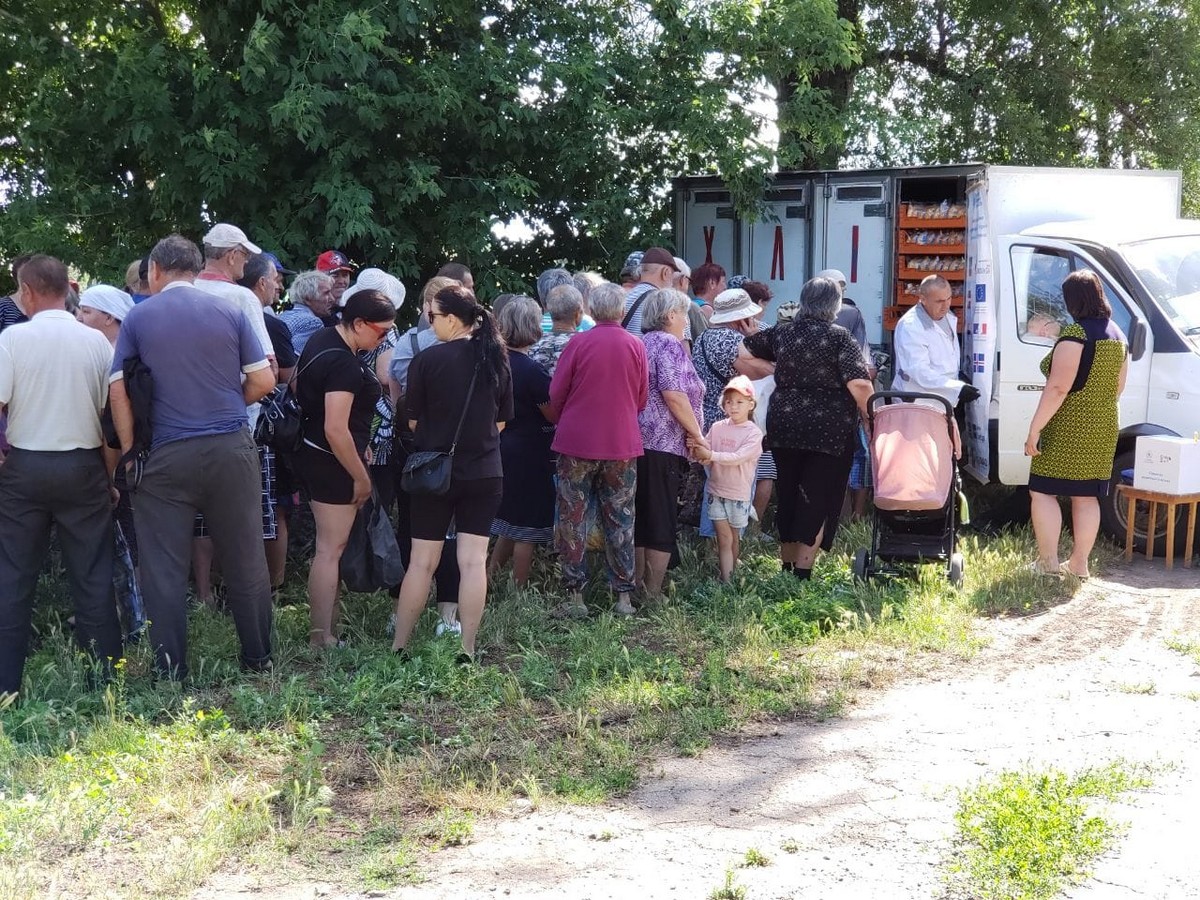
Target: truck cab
x=1150 y=270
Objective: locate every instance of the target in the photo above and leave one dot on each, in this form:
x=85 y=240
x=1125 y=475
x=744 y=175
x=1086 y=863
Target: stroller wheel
x=955 y=573
x=860 y=565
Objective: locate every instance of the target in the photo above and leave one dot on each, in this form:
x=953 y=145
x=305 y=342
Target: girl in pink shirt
x=734 y=446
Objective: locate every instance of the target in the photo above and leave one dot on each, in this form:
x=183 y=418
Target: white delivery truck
x=1005 y=237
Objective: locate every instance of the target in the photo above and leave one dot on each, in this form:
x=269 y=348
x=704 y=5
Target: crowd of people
x=580 y=417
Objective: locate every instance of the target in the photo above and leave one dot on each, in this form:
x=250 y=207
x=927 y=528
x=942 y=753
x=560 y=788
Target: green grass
x=729 y=890
x=1027 y=835
x=755 y=858
x=1188 y=646
x=350 y=766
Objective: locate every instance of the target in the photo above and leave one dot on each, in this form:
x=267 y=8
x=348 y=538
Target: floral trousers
x=604 y=489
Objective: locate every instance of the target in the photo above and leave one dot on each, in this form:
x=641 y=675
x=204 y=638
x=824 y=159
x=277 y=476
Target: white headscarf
x=111 y=300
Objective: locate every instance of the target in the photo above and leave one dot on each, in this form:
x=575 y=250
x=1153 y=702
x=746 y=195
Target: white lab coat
x=927 y=355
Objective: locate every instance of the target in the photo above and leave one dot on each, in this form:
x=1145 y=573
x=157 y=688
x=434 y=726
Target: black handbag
x=428 y=471
x=280 y=419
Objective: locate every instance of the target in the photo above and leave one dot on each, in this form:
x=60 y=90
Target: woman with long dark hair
x=337 y=391
x=439 y=381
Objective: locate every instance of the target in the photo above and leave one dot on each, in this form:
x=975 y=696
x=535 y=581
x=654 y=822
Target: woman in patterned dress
x=672 y=416
x=821 y=391
x=1073 y=435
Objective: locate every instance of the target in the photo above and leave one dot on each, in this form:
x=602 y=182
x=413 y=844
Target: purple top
x=597 y=390
x=670 y=369
x=197 y=346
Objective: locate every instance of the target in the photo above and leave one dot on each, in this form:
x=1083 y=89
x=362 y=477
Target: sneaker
x=623 y=609
x=569 y=610
x=444 y=627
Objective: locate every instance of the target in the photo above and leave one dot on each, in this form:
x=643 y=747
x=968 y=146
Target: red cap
x=334 y=261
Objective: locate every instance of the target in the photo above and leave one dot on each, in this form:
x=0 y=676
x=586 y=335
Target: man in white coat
x=926 y=346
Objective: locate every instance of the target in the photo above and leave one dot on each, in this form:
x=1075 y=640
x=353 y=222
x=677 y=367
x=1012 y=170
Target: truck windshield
x=1169 y=267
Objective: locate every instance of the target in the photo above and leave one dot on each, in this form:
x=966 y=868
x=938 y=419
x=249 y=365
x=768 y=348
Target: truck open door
x=779 y=245
x=854 y=236
x=1031 y=313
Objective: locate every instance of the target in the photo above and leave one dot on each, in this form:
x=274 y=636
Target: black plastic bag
x=371 y=560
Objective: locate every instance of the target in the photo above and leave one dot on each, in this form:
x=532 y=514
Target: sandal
x=1035 y=568
x=1065 y=571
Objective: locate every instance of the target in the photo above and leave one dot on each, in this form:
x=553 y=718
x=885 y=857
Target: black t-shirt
x=811 y=408
x=437 y=385
x=339 y=369
x=281 y=342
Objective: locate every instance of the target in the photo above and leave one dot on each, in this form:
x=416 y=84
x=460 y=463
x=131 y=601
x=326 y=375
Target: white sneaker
x=444 y=627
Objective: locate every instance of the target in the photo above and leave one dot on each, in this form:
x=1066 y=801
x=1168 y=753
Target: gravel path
x=864 y=804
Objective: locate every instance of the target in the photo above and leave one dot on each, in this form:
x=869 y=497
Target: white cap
x=683 y=268
x=376 y=280
x=106 y=299
x=226 y=235
x=832 y=275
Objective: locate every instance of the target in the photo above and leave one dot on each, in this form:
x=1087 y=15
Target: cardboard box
x=1169 y=465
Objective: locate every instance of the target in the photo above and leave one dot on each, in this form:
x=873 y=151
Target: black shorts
x=322 y=477
x=471 y=502
x=656 y=504
x=809 y=489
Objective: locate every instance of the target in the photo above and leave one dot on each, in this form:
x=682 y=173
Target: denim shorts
x=735 y=512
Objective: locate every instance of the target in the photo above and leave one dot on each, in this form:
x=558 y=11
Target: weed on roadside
x=730 y=890
x=755 y=858
x=1027 y=835
x=1188 y=646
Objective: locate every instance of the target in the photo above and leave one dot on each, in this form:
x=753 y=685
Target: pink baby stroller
x=914 y=446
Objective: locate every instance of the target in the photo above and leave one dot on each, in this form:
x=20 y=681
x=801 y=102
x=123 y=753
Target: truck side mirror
x=1137 y=338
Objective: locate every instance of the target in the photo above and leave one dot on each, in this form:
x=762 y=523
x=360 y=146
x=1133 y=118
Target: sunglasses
x=380 y=330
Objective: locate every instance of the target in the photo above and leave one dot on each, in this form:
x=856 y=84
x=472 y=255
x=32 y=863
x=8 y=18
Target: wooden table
x=1170 y=502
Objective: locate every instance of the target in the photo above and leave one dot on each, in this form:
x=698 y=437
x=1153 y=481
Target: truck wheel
x=860 y=565
x=1114 y=509
x=956 y=569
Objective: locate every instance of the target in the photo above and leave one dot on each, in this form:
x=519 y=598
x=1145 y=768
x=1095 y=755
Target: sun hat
x=376 y=280
x=833 y=275
x=226 y=235
x=334 y=261
x=733 y=305
x=107 y=299
x=739 y=384
x=787 y=312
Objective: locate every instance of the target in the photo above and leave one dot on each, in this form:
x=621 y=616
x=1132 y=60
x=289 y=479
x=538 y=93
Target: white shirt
x=54 y=379
x=927 y=355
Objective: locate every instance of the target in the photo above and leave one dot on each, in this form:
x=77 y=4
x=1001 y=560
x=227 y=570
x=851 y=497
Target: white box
x=1169 y=465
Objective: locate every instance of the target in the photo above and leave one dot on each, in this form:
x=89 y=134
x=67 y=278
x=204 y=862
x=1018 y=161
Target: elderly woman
x=673 y=416
x=1073 y=435
x=526 y=516
x=821 y=391
x=104 y=308
x=596 y=393
x=564 y=305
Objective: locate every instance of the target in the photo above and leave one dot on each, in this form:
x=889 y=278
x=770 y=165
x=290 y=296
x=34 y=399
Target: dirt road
x=864 y=804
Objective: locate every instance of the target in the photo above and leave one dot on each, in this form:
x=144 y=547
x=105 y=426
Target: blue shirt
x=303 y=323
x=196 y=346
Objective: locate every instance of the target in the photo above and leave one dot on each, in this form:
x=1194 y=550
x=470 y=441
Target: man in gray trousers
x=207 y=365
x=53 y=372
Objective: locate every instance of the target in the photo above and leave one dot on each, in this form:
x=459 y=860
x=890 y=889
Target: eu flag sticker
x=981 y=293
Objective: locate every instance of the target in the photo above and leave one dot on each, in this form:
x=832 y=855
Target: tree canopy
x=404 y=131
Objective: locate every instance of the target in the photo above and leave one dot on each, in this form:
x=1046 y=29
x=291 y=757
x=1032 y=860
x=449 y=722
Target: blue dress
x=527 y=508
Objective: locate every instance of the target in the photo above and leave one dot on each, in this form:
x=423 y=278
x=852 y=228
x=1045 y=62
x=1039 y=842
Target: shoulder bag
x=279 y=424
x=428 y=471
